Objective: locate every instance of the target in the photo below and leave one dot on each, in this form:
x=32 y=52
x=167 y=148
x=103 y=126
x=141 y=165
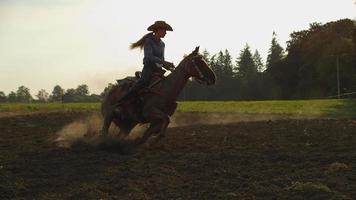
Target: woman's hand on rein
x=168 y=65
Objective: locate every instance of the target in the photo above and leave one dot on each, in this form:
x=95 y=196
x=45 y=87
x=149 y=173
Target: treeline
x=79 y=94
x=318 y=63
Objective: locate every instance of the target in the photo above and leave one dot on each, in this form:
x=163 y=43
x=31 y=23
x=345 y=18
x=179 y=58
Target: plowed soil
x=268 y=158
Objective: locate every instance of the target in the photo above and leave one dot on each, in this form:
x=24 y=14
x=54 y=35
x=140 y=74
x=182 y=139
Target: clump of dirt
x=336 y=168
x=313 y=190
x=309 y=187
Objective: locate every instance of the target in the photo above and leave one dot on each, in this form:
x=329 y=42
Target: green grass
x=333 y=107
x=44 y=107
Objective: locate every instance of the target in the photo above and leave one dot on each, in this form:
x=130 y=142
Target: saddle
x=129 y=81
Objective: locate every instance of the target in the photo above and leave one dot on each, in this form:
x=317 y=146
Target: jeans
x=144 y=81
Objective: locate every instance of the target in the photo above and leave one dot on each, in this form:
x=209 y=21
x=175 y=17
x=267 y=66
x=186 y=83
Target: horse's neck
x=175 y=82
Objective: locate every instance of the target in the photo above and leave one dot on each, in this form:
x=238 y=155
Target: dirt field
x=202 y=157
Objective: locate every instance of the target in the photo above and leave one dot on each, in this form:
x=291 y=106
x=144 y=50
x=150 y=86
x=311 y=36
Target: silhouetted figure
x=153 y=61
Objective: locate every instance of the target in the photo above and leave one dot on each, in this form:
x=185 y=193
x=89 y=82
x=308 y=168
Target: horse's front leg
x=158 y=124
x=163 y=129
x=154 y=127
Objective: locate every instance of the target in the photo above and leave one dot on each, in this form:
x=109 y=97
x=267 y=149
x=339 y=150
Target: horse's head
x=199 y=69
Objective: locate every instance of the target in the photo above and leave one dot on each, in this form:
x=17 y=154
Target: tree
x=71 y=92
x=70 y=95
x=42 y=95
x=275 y=52
x=12 y=97
x=214 y=66
x=245 y=65
x=310 y=66
x=247 y=74
x=82 y=90
x=206 y=55
x=227 y=64
x=258 y=61
x=2 y=97
x=57 y=93
x=107 y=89
x=23 y=94
x=221 y=64
x=224 y=62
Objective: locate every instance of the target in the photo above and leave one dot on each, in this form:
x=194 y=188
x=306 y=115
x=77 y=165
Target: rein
x=200 y=79
x=201 y=75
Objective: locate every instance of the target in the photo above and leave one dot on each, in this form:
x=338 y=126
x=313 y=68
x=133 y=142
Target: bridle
x=201 y=77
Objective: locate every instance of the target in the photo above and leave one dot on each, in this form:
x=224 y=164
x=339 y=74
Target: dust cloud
x=78 y=130
x=87 y=130
x=197 y=118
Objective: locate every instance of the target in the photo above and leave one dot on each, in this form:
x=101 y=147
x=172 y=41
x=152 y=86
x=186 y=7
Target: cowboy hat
x=160 y=24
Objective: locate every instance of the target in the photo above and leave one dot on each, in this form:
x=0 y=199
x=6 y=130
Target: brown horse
x=159 y=102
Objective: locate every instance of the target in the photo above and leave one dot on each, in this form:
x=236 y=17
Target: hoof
x=159 y=137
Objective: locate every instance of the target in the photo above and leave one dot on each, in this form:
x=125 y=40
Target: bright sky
x=72 y=42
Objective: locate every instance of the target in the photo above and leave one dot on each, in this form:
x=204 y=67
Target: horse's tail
x=115 y=93
x=111 y=98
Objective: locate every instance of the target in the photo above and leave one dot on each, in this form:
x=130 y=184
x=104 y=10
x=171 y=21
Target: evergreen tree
x=258 y=61
x=215 y=67
x=206 y=55
x=245 y=65
x=219 y=64
x=249 y=87
x=227 y=64
x=275 y=52
x=224 y=63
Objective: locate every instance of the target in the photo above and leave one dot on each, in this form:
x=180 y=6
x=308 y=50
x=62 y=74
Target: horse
x=159 y=101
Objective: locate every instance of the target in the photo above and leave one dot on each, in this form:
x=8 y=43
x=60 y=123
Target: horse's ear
x=196 y=50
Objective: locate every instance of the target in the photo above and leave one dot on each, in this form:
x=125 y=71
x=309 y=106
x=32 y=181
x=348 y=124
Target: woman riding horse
x=153 y=60
x=159 y=102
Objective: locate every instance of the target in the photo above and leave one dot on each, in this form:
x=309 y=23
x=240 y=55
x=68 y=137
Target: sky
x=71 y=42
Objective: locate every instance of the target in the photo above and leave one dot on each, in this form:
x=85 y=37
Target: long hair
x=141 y=42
